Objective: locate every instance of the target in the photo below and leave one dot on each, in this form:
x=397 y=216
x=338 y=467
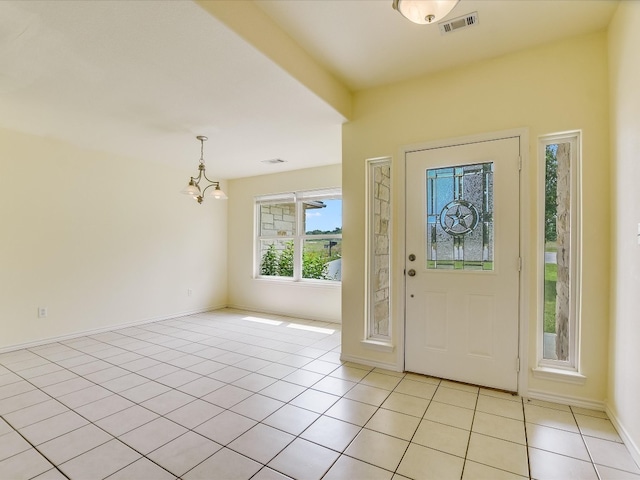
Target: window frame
x=299 y=235
x=568 y=370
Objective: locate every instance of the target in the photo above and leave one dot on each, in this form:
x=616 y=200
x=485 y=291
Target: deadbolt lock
x=412 y=257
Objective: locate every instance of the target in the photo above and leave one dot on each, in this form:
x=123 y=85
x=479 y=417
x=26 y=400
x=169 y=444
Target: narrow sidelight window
x=560 y=164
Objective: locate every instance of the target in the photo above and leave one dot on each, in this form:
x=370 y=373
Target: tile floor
x=238 y=395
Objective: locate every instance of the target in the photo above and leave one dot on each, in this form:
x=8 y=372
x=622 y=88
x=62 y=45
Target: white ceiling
x=143 y=78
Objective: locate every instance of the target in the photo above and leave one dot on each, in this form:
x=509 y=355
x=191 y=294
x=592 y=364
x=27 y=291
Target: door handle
x=411 y=273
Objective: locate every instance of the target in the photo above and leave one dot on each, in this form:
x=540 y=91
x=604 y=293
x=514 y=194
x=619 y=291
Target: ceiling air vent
x=273 y=161
x=465 y=21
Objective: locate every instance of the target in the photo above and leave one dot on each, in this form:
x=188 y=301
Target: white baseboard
x=117 y=326
x=565 y=399
x=308 y=316
x=369 y=363
x=631 y=445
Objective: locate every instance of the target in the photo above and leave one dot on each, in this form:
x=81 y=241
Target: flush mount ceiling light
x=424 y=12
x=194 y=189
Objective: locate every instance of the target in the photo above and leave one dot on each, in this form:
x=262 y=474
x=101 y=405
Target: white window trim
x=298 y=237
x=567 y=371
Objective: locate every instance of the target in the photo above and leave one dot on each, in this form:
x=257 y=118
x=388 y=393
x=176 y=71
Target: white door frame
x=400 y=252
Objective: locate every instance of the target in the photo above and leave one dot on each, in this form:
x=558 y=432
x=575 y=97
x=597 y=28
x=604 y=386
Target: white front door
x=462 y=265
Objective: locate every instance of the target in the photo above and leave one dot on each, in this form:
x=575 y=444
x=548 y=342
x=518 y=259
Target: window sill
x=305 y=282
x=559 y=375
x=378 y=345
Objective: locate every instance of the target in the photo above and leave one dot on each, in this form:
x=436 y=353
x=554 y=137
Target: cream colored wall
x=624 y=378
x=553 y=88
x=100 y=241
x=320 y=302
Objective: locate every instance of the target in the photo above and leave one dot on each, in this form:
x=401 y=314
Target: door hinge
x=518 y=365
x=519 y=163
x=519 y=264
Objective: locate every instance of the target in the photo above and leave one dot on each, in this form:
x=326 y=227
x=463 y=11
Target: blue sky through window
x=325 y=219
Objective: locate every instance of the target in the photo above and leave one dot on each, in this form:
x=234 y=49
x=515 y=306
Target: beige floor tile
x=304 y=460
x=589 y=412
x=499 y=454
x=422 y=463
x=224 y=464
x=291 y=419
x=334 y=386
x=500 y=406
x=379 y=380
x=194 y=413
x=611 y=454
x=167 y=402
x=258 y=407
x=53 y=427
x=303 y=377
x=320 y=366
x=442 y=437
x=254 y=382
x=84 y=396
x=499 y=427
x=450 y=415
x=331 y=433
x=465 y=387
x=269 y=474
x=416 y=377
x=283 y=391
x=126 y=420
x=225 y=427
x=35 y=413
x=351 y=411
x=262 y=443
x=459 y=398
x=416 y=388
x=153 y=435
x=201 y=386
x=27 y=464
x=276 y=370
x=378 y=449
x=608 y=473
x=542 y=403
x=142 y=469
x=105 y=459
x=72 y=444
x=489 y=392
x=393 y=423
x=548 y=465
x=352 y=374
x=315 y=401
x=557 y=441
x=347 y=467
x=22 y=400
x=144 y=392
x=366 y=394
x=54 y=474
x=407 y=404
x=227 y=396
x=11 y=444
x=183 y=453
x=597 y=427
x=477 y=471
x=550 y=417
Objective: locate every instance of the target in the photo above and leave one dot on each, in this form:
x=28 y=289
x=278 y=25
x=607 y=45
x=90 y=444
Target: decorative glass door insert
x=460 y=217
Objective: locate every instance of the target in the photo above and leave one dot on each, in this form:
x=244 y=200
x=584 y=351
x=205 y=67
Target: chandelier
x=194 y=189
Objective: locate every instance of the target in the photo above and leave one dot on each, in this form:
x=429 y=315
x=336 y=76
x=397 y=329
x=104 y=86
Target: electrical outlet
x=189 y=292
x=42 y=312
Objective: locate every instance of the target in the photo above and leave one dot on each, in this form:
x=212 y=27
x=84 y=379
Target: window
x=559 y=260
x=378 y=250
x=300 y=235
